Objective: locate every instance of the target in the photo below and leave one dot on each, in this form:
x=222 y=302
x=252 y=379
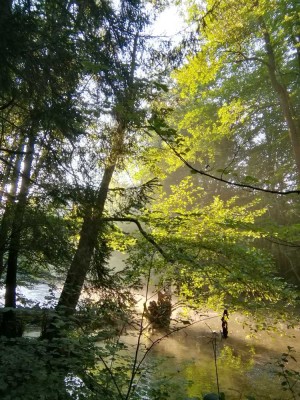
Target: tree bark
x=10 y=326
x=7 y=215
x=14 y=247
x=292 y=120
x=7 y=173
x=90 y=230
x=5 y=8
x=91 y=226
x=87 y=243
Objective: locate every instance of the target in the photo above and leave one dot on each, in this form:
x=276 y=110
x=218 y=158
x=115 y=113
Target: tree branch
x=13 y=151
x=245 y=58
x=6 y=105
x=221 y=179
x=144 y=233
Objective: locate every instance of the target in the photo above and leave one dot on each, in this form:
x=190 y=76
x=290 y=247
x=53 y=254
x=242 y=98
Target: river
x=183 y=364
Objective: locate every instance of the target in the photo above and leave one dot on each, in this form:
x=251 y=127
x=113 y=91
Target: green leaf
x=250 y=179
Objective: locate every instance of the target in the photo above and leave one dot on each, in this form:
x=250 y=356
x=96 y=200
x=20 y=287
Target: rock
x=212 y=396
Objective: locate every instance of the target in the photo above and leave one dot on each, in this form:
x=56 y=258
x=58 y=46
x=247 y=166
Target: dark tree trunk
x=87 y=243
x=10 y=326
x=81 y=262
x=7 y=173
x=9 y=206
x=5 y=8
x=89 y=232
x=14 y=247
x=91 y=226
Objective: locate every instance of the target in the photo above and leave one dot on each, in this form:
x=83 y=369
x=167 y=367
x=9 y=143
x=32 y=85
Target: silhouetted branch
x=221 y=179
x=14 y=151
x=6 y=105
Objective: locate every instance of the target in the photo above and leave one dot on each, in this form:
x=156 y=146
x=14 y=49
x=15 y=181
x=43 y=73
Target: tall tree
x=246 y=73
x=225 y=119
x=123 y=86
x=40 y=74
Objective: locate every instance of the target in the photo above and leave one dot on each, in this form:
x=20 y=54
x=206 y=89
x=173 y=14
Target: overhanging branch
x=143 y=232
x=166 y=256
x=221 y=179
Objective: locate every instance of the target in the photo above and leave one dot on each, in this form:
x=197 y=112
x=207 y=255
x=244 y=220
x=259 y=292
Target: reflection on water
x=183 y=364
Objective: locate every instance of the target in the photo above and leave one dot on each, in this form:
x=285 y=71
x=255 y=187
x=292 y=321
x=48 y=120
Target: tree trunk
x=7 y=215
x=92 y=220
x=8 y=166
x=87 y=243
x=5 y=7
x=81 y=261
x=89 y=231
x=10 y=326
x=288 y=111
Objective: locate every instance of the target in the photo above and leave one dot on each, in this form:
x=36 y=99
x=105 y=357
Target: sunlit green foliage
x=208 y=252
x=83 y=101
x=226 y=89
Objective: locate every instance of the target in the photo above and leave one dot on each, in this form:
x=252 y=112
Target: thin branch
x=220 y=179
x=245 y=58
x=17 y=127
x=136 y=365
x=144 y=233
x=168 y=258
x=6 y=105
x=231 y=161
x=13 y=151
x=21 y=173
x=112 y=376
x=281 y=242
x=207 y=14
x=155 y=342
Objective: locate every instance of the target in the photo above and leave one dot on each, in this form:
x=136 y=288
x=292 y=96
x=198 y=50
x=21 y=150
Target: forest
x=145 y=178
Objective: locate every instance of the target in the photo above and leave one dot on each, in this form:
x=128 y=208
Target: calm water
x=183 y=363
